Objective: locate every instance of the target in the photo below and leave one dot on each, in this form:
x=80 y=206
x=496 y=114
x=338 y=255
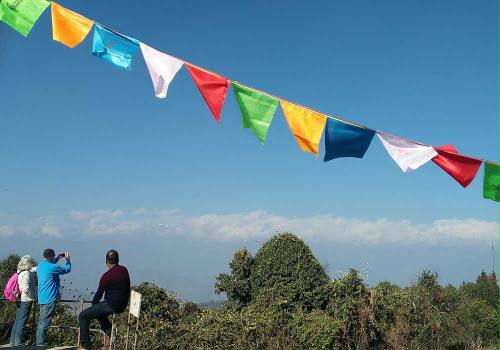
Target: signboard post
x=134 y=310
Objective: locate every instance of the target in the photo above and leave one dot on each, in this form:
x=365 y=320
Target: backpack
x=11 y=291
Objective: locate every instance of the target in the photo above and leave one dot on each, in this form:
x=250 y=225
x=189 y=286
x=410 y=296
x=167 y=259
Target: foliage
x=282 y=298
x=485 y=289
x=7 y=310
x=284 y=267
x=317 y=330
x=160 y=316
x=348 y=298
x=237 y=285
x=64 y=318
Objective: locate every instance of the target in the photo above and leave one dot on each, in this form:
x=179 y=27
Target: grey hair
x=26 y=263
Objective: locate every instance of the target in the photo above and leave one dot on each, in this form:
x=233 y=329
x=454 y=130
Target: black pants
x=100 y=312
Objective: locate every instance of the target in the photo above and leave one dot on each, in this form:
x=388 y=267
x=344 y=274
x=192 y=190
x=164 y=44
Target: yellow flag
x=69 y=27
x=306 y=125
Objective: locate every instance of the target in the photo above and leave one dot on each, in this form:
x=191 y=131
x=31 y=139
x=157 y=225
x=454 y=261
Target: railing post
x=136 y=331
x=33 y=329
x=114 y=331
x=81 y=309
x=128 y=331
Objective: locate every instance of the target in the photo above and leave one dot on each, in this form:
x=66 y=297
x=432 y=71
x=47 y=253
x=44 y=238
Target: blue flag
x=346 y=140
x=115 y=48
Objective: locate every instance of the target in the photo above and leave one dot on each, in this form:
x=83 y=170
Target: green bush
x=285 y=265
x=237 y=285
x=7 y=310
x=318 y=331
x=349 y=297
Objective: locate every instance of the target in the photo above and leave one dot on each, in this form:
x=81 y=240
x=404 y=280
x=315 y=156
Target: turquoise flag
x=113 y=47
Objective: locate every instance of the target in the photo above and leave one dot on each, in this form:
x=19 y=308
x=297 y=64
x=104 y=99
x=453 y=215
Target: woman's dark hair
x=112 y=257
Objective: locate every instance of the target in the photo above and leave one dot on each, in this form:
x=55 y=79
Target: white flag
x=406 y=154
x=162 y=68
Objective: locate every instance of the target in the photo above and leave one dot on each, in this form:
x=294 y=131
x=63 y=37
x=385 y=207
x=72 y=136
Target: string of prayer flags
x=213 y=88
x=342 y=138
x=346 y=140
x=491 y=182
x=113 y=47
x=22 y=15
x=408 y=155
x=256 y=109
x=162 y=68
x=68 y=27
x=462 y=168
x=306 y=126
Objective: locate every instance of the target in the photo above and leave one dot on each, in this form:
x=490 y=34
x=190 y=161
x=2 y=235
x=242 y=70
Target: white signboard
x=135 y=303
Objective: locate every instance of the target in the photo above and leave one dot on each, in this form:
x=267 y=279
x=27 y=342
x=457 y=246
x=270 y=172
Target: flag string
x=292 y=102
x=310 y=109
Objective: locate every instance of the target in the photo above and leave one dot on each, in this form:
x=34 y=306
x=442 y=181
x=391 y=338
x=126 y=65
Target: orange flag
x=69 y=27
x=305 y=125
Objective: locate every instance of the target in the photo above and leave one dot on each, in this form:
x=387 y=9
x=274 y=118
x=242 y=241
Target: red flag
x=212 y=87
x=461 y=168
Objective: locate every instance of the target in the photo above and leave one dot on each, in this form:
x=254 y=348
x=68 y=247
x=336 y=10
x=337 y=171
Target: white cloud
x=50 y=229
x=78 y=215
x=6 y=230
x=257 y=224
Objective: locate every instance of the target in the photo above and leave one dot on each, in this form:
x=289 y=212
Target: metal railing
x=81 y=303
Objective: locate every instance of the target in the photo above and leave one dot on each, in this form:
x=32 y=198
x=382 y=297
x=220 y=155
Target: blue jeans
x=23 y=309
x=99 y=311
x=46 y=313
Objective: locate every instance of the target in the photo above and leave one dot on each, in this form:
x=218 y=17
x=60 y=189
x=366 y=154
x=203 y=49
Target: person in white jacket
x=27 y=285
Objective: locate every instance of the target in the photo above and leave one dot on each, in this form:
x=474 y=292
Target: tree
x=286 y=269
x=7 y=267
x=485 y=288
x=7 y=310
x=283 y=270
x=159 y=317
x=237 y=284
x=348 y=300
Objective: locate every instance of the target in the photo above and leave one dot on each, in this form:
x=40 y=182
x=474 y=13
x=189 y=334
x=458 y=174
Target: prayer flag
x=407 y=154
x=21 y=15
x=212 y=87
x=491 y=182
x=256 y=109
x=305 y=125
x=162 y=68
x=346 y=140
x=462 y=168
x=68 y=27
x=113 y=47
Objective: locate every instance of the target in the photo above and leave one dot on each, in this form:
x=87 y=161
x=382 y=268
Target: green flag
x=257 y=110
x=22 y=14
x=491 y=182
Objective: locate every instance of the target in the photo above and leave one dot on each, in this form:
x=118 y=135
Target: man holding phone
x=48 y=272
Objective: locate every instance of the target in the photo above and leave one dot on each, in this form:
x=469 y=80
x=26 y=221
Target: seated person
x=115 y=284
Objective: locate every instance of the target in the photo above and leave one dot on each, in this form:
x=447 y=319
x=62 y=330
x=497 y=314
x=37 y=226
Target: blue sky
x=91 y=160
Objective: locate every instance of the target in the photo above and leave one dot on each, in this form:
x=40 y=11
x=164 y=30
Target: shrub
x=286 y=266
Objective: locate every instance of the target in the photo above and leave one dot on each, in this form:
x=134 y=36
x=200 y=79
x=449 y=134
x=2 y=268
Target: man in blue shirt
x=48 y=272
